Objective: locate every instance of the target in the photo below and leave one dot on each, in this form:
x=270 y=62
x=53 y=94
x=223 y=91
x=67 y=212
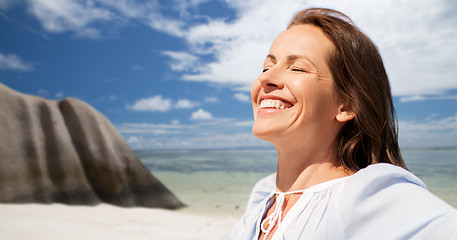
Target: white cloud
x=129 y=8
x=418 y=39
x=152 y=104
x=59 y=94
x=215 y=133
x=139 y=142
x=419 y=56
x=201 y=114
x=214 y=141
x=70 y=15
x=211 y=100
x=183 y=6
x=424 y=98
x=159 y=104
x=232 y=133
x=429 y=133
x=5 y=4
x=242 y=97
x=184 y=103
x=412 y=98
x=84 y=17
x=90 y=33
x=160 y=23
x=156 y=129
x=181 y=61
x=244 y=123
x=43 y=92
x=133 y=140
x=136 y=68
x=239 y=46
x=13 y=62
x=113 y=98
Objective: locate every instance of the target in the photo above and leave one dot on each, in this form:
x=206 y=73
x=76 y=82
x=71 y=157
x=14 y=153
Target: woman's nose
x=271 y=79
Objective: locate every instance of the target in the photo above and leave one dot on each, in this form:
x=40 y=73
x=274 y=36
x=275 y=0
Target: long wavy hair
x=361 y=82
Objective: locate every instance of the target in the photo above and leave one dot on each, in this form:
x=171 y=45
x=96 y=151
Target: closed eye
x=298 y=70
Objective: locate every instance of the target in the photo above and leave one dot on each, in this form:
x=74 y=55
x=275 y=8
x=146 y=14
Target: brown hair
x=362 y=83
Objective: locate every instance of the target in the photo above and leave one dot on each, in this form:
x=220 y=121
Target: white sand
x=57 y=221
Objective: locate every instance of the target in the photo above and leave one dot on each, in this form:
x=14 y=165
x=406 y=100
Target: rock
x=67 y=152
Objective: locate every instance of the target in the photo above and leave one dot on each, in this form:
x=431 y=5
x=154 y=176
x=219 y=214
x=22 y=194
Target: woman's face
x=293 y=99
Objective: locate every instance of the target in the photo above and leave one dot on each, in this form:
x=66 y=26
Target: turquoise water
x=219 y=181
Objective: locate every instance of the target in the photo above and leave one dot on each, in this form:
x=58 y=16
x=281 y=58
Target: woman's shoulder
x=378 y=176
x=381 y=184
x=383 y=198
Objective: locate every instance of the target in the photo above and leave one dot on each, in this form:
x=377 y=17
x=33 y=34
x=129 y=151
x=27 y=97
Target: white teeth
x=269 y=103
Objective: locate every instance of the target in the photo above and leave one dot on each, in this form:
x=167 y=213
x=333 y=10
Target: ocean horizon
x=219 y=181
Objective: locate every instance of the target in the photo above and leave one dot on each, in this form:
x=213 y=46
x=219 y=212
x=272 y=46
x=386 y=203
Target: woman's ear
x=345 y=114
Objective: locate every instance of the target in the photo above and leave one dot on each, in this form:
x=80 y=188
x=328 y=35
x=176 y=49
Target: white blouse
x=381 y=201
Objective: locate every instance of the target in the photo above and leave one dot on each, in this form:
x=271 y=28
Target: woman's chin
x=265 y=133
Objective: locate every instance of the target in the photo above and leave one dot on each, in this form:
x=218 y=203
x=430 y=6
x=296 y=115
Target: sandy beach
x=58 y=221
x=216 y=198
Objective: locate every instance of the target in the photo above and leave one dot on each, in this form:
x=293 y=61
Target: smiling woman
x=296 y=77
x=324 y=101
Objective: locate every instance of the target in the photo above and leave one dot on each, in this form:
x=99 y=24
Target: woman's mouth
x=274 y=103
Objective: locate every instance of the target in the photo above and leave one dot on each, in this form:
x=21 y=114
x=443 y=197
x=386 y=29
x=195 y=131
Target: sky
x=176 y=74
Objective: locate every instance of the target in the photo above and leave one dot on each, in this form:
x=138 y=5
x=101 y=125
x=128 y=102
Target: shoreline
x=57 y=221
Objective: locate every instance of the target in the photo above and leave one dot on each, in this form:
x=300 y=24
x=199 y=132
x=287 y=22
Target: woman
x=324 y=101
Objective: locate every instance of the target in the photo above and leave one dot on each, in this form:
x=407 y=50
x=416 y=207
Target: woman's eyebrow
x=291 y=58
x=272 y=57
x=295 y=57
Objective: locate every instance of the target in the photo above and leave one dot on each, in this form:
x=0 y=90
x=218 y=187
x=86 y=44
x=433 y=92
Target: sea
x=220 y=181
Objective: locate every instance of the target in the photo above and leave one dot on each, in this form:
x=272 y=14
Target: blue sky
x=176 y=74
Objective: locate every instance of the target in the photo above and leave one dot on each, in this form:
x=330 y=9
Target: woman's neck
x=299 y=169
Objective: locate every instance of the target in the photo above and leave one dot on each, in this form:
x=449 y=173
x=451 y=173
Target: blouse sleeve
x=383 y=201
x=261 y=190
